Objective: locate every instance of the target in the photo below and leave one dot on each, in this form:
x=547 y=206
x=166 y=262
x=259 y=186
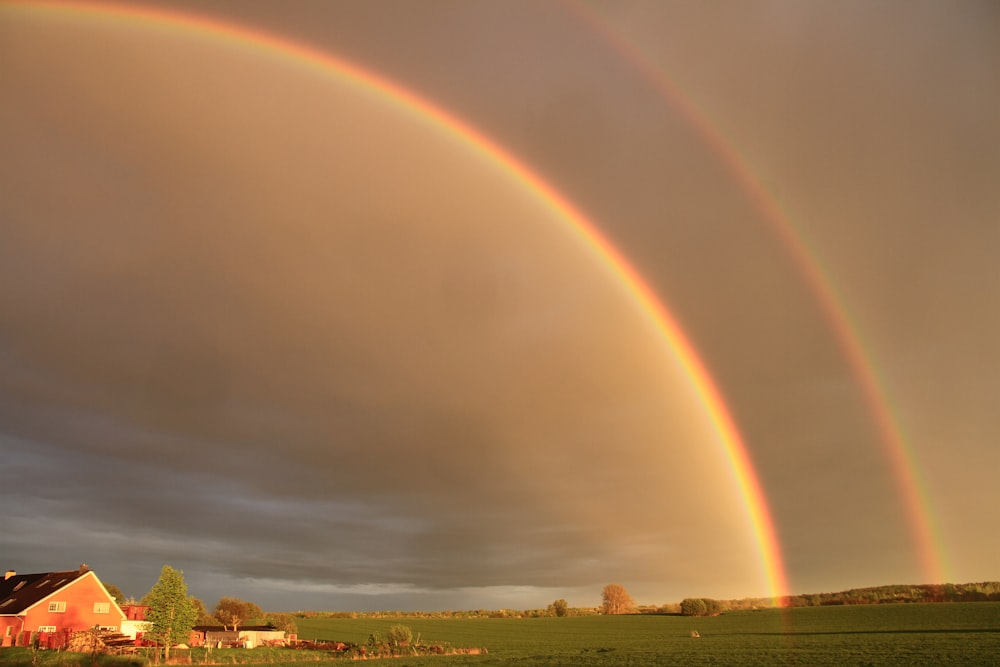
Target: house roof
x=248 y=628
x=20 y=591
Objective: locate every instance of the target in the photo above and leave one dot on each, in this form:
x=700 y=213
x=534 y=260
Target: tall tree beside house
x=234 y=612
x=171 y=614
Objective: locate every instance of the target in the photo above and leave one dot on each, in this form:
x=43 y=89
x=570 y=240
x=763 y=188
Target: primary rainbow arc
x=736 y=451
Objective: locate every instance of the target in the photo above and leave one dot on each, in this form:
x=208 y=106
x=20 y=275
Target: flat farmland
x=896 y=634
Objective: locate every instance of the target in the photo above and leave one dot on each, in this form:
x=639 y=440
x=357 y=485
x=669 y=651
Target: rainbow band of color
x=901 y=458
x=735 y=448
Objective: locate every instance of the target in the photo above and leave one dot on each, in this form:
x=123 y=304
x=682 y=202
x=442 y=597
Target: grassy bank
x=928 y=634
x=899 y=634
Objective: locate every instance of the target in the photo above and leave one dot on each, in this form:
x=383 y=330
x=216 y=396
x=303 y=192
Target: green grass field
x=898 y=634
x=901 y=634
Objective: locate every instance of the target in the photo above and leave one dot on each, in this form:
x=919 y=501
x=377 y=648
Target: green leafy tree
x=616 y=600
x=234 y=612
x=171 y=614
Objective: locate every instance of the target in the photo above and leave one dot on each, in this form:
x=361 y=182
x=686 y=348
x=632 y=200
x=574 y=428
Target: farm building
x=52 y=605
x=248 y=636
x=135 y=623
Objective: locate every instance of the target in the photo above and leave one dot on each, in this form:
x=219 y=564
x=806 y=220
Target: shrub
x=400 y=635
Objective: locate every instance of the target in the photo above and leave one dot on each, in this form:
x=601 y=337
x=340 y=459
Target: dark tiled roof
x=215 y=630
x=20 y=591
x=219 y=629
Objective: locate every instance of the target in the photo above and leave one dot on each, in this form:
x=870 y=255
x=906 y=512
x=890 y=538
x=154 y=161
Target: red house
x=54 y=605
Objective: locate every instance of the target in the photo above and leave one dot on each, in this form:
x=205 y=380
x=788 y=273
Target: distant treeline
x=986 y=591
x=467 y=613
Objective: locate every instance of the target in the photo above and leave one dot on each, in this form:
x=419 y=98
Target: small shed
x=247 y=636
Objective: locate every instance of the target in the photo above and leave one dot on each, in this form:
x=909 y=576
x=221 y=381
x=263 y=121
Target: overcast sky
x=297 y=340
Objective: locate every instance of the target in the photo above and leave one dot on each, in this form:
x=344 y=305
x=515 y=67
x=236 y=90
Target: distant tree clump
x=700 y=607
x=282 y=621
x=616 y=600
x=693 y=607
x=234 y=612
x=560 y=607
x=203 y=617
x=171 y=614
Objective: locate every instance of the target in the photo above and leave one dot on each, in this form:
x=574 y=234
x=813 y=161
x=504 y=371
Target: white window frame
x=102 y=607
x=57 y=607
x=46 y=628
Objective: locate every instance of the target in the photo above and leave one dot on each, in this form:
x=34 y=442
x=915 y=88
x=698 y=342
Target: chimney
x=83 y=568
x=9 y=574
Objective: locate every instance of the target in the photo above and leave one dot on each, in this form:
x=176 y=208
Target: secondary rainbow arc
x=901 y=458
x=736 y=450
